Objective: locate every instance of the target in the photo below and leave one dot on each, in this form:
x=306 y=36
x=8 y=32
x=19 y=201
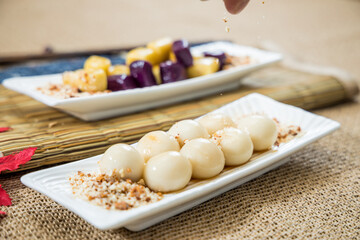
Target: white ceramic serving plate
x=53 y=182
x=118 y=103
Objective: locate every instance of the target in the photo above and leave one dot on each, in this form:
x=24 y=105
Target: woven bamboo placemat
x=62 y=138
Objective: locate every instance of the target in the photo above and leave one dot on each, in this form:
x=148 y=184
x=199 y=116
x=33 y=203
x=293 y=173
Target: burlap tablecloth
x=314 y=195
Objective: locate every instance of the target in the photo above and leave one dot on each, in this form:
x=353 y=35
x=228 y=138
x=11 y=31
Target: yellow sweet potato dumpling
x=203 y=66
x=118 y=70
x=97 y=62
x=172 y=56
x=141 y=53
x=162 y=48
x=93 y=80
x=89 y=80
x=71 y=77
x=156 y=72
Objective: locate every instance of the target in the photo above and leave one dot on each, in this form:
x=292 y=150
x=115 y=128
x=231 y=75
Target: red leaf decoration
x=4 y=129
x=12 y=161
x=5 y=200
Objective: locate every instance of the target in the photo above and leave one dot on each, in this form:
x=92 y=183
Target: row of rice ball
x=190 y=149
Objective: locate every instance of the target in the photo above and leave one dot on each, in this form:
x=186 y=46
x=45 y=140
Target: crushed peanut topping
x=153 y=138
x=233 y=61
x=122 y=206
x=216 y=139
x=110 y=192
x=63 y=91
x=286 y=132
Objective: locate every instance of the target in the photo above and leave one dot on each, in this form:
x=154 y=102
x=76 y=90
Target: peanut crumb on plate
x=234 y=61
x=286 y=132
x=63 y=91
x=110 y=192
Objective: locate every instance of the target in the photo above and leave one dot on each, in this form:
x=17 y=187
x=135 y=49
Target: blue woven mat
x=55 y=66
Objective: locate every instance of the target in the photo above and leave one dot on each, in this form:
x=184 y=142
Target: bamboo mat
x=62 y=138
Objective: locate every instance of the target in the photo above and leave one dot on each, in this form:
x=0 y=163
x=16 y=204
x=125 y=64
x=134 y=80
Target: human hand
x=235 y=6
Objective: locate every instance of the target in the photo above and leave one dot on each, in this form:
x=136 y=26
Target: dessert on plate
x=130 y=176
x=161 y=61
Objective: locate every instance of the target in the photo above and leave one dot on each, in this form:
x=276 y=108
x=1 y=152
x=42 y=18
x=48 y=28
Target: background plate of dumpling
x=96 y=107
x=53 y=182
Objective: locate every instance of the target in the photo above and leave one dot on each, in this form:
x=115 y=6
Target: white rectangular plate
x=53 y=182
x=97 y=107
